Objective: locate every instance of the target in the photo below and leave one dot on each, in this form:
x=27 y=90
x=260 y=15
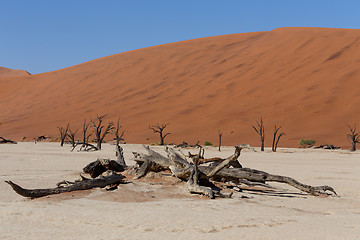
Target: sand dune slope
x=305 y=79
x=6 y=73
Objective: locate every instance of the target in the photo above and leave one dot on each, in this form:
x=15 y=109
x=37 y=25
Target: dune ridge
x=7 y=72
x=304 y=79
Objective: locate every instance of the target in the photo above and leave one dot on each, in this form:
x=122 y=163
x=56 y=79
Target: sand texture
x=304 y=79
x=159 y=207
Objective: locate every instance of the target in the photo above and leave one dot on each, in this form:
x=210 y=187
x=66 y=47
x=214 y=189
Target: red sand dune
x=6 y=73
x=305 y=79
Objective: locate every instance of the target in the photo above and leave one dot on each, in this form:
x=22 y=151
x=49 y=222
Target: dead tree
x=63 y=134
x=186 y=145
x=101 y=165
x=83 y=184
x=100 y=132
x=261 y=131
x=220 y=136
x=40 y=139
x=85 y=135
x=71 y=136
x=85 y=145
x=160 y=129
x=4 y=140
x=276 y=139
x=353 y=137
x=116 y=131
x=206 y=180
x=176 y=162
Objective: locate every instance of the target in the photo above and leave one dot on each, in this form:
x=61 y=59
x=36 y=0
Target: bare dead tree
x=261 y=131
x=100 y=132
x=85 y=136
x=116 y=131
x=160 y=129
x=353 y=137
x=71 y=136
x=63 y=134
x=276 y=140
x=220 y=136
x=207 y=180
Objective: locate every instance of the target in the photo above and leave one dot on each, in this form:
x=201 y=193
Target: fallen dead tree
x=206 y=180
x=84 y=146
x=95 y=169
x=186 y=145
x=83 y=184
x=181 y=168
x=101 y=165
x=4 y=140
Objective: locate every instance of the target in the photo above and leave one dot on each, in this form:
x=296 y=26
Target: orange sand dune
x=305 y=79
x=6 y=72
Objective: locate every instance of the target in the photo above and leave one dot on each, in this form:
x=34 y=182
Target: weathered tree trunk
x=102 y=165
x=184 y=171
x=101 y=182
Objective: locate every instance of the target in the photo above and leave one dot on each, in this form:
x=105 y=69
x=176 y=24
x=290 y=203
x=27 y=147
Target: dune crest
x=7 y=72
x=304 y=79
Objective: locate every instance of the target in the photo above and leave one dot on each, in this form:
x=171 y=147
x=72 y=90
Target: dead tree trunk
x=71 y=136
x=116 y=131
x=83 y=184
x=182 y=169
x=160 y=129
x=276 y=140
x=261 y=131
x=101 y=165
x=85 y=136
x=353 y=137
x=63 y=134
x=98 y=127
x=220 y=135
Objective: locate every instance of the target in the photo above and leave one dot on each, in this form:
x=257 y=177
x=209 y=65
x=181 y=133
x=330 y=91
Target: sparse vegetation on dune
x=307 y=143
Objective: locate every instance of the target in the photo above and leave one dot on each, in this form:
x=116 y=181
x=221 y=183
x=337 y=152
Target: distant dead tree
x=276 y=140
x=63 y=134
x=4 y=140
x=353 y=137
x=220 y=136
x=85 y=135
x=116 y=131
x=98 y=127
x=160 y=129
x=71 y=136
x=40 y=139
x=261 y=131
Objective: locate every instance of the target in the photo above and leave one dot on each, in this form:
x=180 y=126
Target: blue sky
x=46 y=35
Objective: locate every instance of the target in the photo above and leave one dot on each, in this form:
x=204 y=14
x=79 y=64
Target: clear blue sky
x=46 y=35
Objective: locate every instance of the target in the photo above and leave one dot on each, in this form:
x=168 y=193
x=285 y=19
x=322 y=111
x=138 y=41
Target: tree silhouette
x=160 y=129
